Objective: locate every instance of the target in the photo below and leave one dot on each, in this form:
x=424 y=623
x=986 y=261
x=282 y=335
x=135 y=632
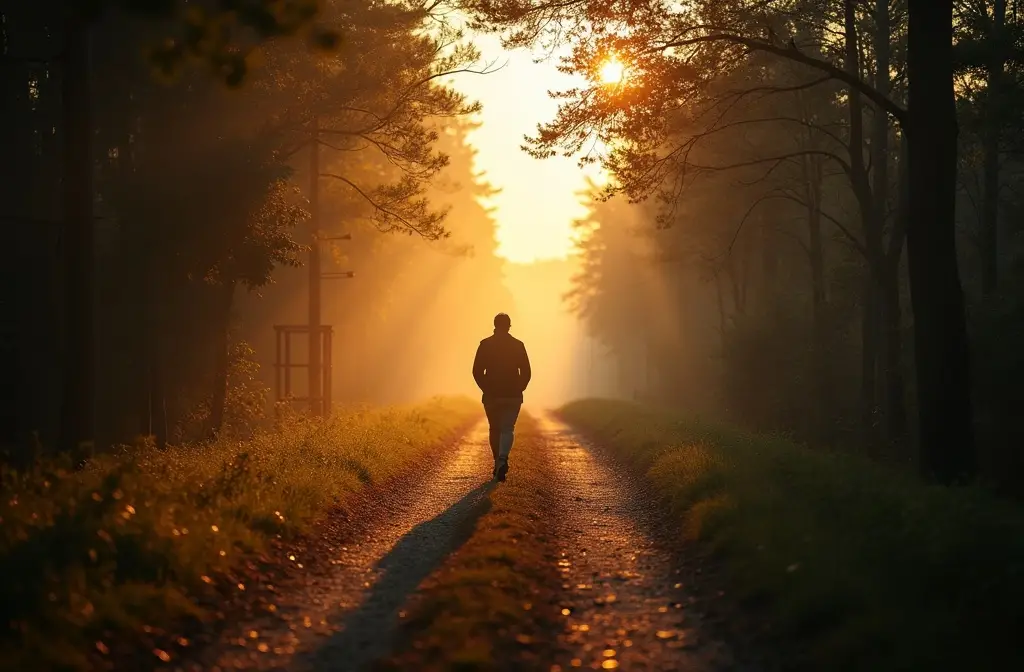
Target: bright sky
x=539 y=199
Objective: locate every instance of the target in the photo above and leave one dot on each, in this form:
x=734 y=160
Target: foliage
x=774 y=135
x=143 y=537
x=375 y=102
x=221 y=35
x=444 y=291
x=740 y=121
x=221 y=211
x=687 y=66
x=245 y=404
x=860 y=568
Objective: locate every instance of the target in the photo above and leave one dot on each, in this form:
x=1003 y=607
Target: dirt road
x=623 y=598
x=627 y=598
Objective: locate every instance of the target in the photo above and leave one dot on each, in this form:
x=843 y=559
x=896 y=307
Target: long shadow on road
x=367 y=631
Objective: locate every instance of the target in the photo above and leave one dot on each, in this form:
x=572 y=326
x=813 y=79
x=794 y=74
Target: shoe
x=501 y=471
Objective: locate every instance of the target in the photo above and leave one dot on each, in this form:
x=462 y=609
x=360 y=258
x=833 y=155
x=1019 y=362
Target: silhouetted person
x=502 y=371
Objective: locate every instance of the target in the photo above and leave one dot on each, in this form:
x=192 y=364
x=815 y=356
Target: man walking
x=502 y=371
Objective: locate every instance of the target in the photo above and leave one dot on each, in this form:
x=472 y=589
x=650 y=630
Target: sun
x=612 y=71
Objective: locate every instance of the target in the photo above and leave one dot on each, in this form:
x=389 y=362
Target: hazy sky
x=539 y=198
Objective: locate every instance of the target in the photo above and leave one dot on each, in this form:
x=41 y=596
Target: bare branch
x=385 y=210
x=772 y=159
x=881 y=100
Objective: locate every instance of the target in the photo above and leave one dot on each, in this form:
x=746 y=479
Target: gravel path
x=345 y=618
x=628 y=607
x=624 y=598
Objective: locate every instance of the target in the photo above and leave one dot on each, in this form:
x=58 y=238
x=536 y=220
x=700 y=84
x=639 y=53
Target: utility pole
x=315 y=401
x=319 y=362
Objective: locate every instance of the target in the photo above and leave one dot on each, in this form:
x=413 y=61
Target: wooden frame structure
x=283 y=366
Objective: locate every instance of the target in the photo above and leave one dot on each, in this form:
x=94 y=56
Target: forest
x=818 y=201
x=765 y=200
x=145 y=318
x=784 y=342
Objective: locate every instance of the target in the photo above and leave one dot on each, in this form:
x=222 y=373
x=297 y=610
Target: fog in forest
x=744 y=253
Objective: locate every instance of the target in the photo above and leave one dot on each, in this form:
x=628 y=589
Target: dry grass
x=139 y=540
x=861 y=568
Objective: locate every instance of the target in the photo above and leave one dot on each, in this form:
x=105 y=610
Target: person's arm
x=525 y=373
x=479 y=368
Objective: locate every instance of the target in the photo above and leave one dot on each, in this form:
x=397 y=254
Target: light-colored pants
x=501 y=417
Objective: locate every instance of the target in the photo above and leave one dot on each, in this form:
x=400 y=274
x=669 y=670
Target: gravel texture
x=624 y=597
x=344 y=615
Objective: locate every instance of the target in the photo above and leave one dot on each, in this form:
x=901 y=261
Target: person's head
x=502 y=323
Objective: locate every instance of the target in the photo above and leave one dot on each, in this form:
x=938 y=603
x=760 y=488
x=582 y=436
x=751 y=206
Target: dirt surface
x=625 y=598
x=629 y=605
x=344 y=615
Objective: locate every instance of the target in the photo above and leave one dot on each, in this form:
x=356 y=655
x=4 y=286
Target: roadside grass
x=493 y=604
x=860 y=567
x=138 y=541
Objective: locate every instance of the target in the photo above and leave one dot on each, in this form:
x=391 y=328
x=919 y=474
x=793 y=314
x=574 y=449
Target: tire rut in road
x=627 y=606
x=347 y=617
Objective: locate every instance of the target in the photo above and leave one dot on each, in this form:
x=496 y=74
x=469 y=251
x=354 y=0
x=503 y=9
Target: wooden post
x=328 y=334
x=277 y=364
x=287 y=364
x=77 y=420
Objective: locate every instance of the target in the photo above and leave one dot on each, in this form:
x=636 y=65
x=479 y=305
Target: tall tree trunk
x=889 y=289
x=77 y=412
x=880 y=125
x=156 y=394
x=155 y=299
x=723 y=319
x=942 y=354
x=895 y=385
x=813 y=177
x=154 y=410
x=769 y=270
x=869 y=363
x=894 y=392
x=816 y=248
x=991 y=140
x=220 y=372
x=872 y=217
x=816 y=253
x=738 y=272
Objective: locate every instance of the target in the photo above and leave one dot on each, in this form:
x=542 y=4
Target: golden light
x=612 y=71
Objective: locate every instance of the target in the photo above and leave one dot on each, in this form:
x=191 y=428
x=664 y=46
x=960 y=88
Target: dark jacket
x=502 y=368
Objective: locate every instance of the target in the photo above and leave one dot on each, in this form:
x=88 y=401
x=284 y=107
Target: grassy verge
x=92 y=560
x=860 y=568
x=492 y=606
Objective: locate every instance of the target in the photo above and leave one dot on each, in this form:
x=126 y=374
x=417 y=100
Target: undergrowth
x=862 y=568
x=142 y=538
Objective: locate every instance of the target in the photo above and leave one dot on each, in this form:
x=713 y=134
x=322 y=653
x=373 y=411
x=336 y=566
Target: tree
x=249 y=258
x=940 y=336
x=207 y=35
x=676 y=54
